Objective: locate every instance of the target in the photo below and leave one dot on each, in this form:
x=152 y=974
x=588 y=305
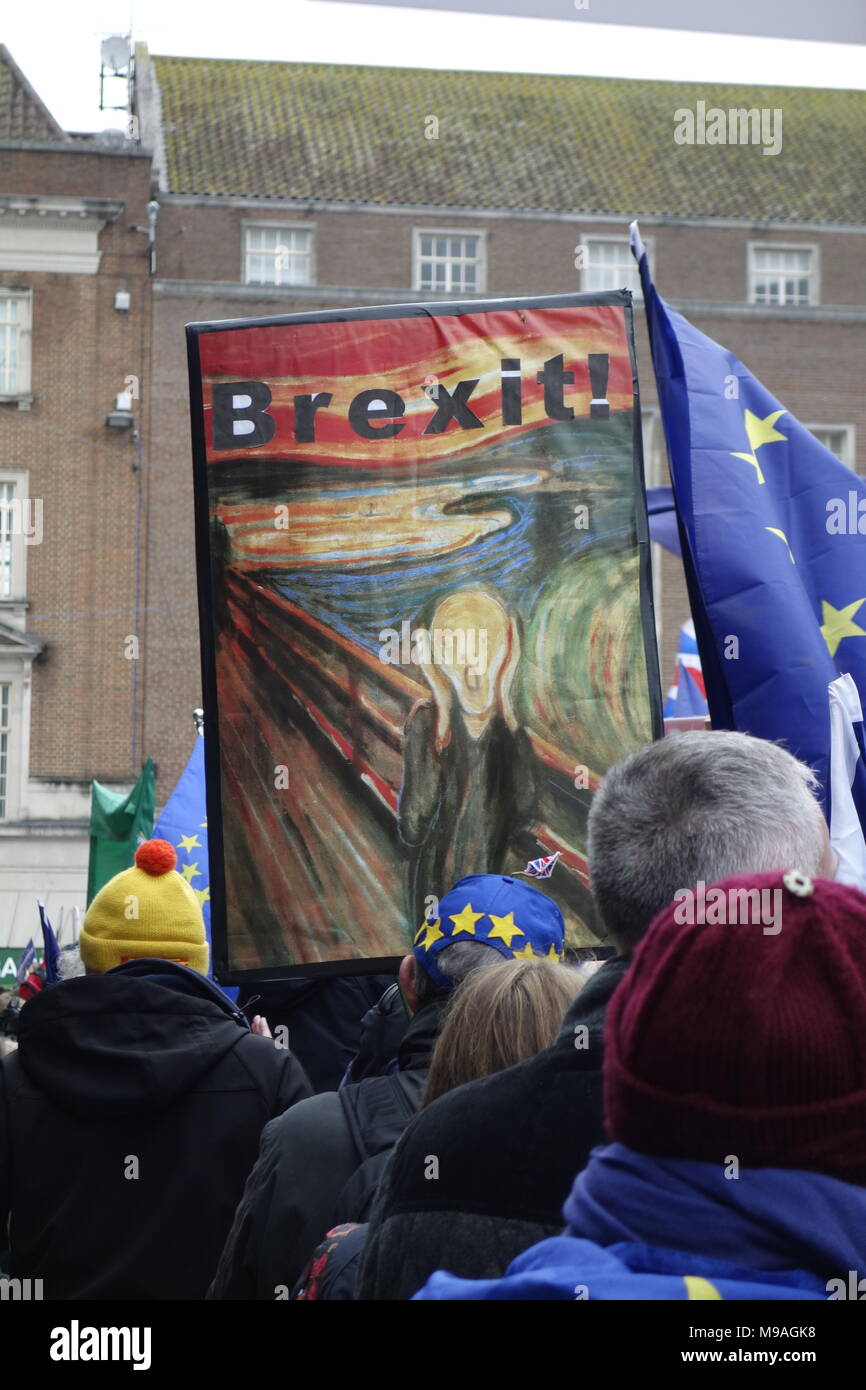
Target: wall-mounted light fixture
x=121 y=417
x=122 y=301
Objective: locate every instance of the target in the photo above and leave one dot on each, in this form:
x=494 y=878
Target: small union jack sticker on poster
x=541 y=868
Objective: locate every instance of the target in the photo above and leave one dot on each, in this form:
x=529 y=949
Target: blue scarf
x=768 y=1218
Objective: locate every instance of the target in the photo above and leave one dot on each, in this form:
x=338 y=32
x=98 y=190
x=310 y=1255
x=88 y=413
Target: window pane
x=448 y=264
x=9 y=330
x=278 y=255
x=610 y=267
x=7 y=526
x=782 y=275
x=834 y=440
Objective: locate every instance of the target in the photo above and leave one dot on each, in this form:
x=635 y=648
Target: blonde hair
x=498 y=1017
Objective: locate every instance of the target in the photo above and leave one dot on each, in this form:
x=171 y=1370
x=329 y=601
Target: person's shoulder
x=472 y=1112
x=263 y=1054
x=310 y=1114
x=273 y=1070
x=311 y=1139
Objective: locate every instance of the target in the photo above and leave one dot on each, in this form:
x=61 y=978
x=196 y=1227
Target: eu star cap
x=514 y=918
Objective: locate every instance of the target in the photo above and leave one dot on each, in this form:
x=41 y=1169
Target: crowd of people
x=685 y=1119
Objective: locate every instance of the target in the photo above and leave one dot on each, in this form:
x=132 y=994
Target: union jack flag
x=541 y=868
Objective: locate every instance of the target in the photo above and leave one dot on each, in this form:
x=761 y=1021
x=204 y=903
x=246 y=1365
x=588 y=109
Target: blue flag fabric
x=52 y=948
x=774 y=545
x=184 y=824
x=662 y=517
x=25 y=963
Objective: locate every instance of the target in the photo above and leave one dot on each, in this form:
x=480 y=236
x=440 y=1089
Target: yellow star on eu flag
x=465 y=920
x=552 y=953
x=504 y=929
x=526 y=954
x=774 y=531
x=759 y=432
x=188 y=842
x=203 y=895
x=433 y=934
x=838 y=623
x=191 y=871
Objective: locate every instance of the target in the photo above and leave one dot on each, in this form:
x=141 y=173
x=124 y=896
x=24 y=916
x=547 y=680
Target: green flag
x=118 y=824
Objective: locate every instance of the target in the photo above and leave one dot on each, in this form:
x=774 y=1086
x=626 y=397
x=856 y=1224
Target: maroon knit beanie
x=733 y=1035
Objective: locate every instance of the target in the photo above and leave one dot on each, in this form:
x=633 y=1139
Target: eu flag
x=773 y=530
x=184 y=824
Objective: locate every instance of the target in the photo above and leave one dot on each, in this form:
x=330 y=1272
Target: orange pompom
x=155 y=857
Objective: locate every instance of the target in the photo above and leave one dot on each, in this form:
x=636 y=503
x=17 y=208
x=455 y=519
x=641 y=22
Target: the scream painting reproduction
x=426 y=614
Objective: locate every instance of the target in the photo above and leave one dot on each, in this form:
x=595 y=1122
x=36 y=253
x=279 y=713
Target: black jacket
x=319 y=1166
x=130 y=1118
x=323 y=1018
x=507 y=1149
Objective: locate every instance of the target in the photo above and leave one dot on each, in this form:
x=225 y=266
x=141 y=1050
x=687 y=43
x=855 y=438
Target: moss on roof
x=23 y=113
x=505 y=140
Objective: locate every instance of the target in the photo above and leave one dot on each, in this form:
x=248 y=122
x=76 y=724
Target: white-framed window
x=15 y=321
x=782 y=274
x=278 y=254
x=7 y=536
x=5 y=741
x=18 y=517
x=449 y=262
x=608 y=264
x=839 y=439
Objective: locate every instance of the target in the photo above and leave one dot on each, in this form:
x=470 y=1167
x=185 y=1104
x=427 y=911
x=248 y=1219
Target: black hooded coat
x=130 y=1117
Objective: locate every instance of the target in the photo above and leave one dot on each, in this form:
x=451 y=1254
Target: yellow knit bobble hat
x=146 y=911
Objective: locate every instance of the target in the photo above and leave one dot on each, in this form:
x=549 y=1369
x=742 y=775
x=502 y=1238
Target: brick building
x=75 y=345
x=287 y=187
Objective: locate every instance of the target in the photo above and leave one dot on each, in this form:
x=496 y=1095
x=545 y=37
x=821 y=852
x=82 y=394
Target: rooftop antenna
x=117 y=61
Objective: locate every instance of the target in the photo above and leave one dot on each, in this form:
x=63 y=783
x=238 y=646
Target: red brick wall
x=85 y=568
x=523 y=255
x=81 y=578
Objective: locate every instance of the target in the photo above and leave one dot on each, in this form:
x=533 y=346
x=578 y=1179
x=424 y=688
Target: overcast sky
x=57 y=45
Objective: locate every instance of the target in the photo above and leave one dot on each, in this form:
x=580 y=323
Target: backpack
x=376 y=1111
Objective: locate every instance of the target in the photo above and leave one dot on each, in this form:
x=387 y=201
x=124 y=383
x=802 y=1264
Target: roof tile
x=315 y=131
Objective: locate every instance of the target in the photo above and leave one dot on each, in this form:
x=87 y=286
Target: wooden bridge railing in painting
x=359 y=703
